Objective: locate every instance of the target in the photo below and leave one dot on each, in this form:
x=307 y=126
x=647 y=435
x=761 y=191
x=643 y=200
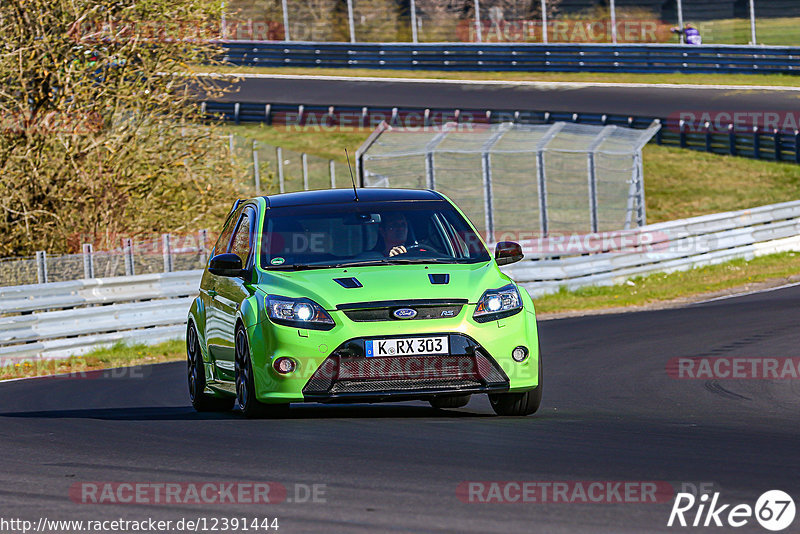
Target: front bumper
x=349 y=375
x=332 y=366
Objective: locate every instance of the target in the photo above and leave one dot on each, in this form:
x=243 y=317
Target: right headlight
x=302 y=313
x=497 y=304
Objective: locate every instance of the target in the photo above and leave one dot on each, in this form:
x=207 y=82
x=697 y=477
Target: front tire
x=245 y=384
x=516 y=404
x=201 y=401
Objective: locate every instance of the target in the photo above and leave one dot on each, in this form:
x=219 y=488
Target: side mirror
x=226 y=265
x=507 y=252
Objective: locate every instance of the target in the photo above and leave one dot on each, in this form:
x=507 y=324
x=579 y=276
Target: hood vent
x=348 y=283
x=439 y=278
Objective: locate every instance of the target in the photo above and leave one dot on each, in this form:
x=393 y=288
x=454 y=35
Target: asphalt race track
x=610 y=413
x=649 y=101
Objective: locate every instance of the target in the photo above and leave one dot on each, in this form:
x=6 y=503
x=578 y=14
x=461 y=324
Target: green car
x=359 y=296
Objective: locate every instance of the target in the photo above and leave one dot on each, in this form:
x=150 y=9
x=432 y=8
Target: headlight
x=302 y=313
x=498 y=303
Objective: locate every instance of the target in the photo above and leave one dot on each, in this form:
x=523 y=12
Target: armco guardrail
x=754 y=143
x=662 y=247
x=62 y=319
x=651 y=58
x=69 y=318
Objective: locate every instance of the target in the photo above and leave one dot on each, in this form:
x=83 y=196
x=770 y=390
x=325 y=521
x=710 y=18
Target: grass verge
x=87 y=365
x=714 y=280
x=778 y=80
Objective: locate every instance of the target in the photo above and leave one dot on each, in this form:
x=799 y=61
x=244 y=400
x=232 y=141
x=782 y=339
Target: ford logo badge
x=405 y=313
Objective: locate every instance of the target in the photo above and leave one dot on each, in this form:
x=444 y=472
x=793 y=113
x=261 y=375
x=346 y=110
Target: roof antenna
x=355 y=191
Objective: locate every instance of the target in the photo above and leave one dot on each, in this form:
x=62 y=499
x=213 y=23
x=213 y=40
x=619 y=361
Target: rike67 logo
x=774 y=510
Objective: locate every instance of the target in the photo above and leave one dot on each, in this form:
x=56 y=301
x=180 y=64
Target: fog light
x=519 y=354
x=284 y=365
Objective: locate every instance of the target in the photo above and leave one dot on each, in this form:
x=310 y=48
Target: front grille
x=347 y=371
x=385 y=314
x=376 y=386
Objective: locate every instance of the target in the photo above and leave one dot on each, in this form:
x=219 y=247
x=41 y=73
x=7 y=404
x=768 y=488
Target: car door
x=230 y=292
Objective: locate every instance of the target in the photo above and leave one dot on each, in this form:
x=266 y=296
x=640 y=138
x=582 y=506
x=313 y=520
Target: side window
x=224 y=238
x=241 y=239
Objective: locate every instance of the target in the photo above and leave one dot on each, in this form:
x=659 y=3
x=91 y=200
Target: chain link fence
x=769 y=22
x=513 y=179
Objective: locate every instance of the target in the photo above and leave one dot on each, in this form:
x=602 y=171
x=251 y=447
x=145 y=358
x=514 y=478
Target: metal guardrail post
x=544 y=21
x=613 y=23
x=707 y=127
x=279 y=155
x=231 y=149
x=202 y=245
x=413 y=21
x=41 y=266
x=731 y=140
x=256 y=170
x=88 y=260
x=541 y=176
x=486 y=168
x=350 y=22
x=478 y=21
x=285 y=9
x=167 y=252
x=777 y=136
x=304 y=162
x=332 y=172
x=127 y=251
x=756 y=143
x=797 y=146
x=592 y=174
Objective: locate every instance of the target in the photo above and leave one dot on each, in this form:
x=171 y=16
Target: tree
x=100 y=129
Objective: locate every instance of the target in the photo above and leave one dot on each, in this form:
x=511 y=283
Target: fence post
x=286 y=35
x=777 y=136
x=413 y=21
x=756 y=143
x=41 y=266
x=350 y=22
x=544 y=21
x=797 y=146
x=708 y=136
x=732 y=140
x=753 y=22
x=279 y=155
x=127 y=252
x=680 y=20
x=167 y=252
x=332 y=172
x=478 y=21
x=682 y=133
x=486 y=168
x=231 y=149
x=256 y=170
x=202 y=244
x=304 y=161
x=613 y=22
x=88 y=260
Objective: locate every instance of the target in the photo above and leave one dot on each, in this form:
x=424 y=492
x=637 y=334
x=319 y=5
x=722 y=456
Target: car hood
x=395 y=282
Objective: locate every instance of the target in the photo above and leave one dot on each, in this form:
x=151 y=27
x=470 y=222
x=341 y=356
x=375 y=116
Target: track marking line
x=756 y=292
x=506 y=83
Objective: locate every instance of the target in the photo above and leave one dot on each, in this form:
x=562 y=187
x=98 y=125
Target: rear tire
x=201 y=401
x=245 y=384
x=457 y=401
x=515 y=404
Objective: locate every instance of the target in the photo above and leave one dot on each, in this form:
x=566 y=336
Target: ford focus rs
x=324 y=296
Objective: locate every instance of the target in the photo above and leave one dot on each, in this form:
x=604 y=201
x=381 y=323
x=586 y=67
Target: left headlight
x=497 y=304
x=302 y=313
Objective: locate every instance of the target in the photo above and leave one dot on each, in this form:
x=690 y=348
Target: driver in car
x=394 y=232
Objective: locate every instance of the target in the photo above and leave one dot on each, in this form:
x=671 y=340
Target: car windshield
x=368 y=233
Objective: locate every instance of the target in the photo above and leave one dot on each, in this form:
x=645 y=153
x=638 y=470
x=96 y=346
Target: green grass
x=783 y=80
x=119 y=355
x=778 y=31
x=665 y=287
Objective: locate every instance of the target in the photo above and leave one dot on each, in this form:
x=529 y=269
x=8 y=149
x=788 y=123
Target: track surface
x=635 y=100
x=610 y=413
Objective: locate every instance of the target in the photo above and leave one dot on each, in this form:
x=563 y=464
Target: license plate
x=409 y=346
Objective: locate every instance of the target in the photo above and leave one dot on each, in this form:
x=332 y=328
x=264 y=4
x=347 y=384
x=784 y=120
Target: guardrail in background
x=755 y=143
x=70 y=318
x=652 y=58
